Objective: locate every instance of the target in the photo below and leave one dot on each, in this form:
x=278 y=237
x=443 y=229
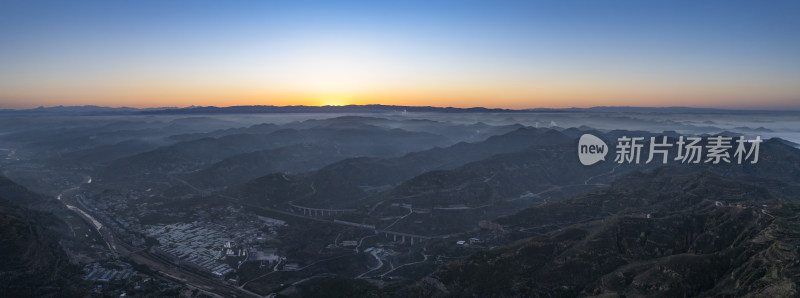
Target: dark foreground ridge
x=662 y=234
x=32 y=262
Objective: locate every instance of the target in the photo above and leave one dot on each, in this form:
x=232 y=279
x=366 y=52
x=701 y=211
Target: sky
x=496 y=54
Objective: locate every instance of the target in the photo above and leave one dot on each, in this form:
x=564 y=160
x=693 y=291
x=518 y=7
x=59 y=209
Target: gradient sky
x=729 y=54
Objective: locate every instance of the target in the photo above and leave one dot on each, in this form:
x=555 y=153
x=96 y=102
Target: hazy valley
x=393 y=202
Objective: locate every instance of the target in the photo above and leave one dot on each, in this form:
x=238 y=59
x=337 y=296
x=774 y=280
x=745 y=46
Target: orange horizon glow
x=506 y=96
x=469 y=100
x=516 y=55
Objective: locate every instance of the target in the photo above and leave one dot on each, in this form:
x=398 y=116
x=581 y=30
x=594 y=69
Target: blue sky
x=517 y=54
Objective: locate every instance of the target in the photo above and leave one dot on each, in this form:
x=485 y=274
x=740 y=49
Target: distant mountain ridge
x=369 y=108
x=79 y=110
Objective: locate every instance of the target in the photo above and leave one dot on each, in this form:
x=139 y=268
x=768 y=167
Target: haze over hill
x=408 y=203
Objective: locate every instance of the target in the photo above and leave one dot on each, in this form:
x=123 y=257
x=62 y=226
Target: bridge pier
x=318 y=211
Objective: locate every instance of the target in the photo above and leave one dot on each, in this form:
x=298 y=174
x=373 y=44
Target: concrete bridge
x=363 y=226
x=402 y=236
x=308 y=211
x=395 y=236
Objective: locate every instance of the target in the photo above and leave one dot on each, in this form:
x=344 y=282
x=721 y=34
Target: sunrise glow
x=449 y=53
